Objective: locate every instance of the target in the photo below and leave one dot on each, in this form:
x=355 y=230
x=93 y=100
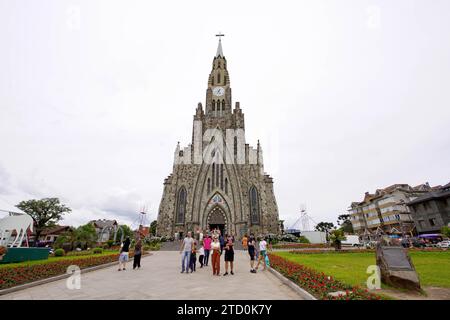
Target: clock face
x=218 y=91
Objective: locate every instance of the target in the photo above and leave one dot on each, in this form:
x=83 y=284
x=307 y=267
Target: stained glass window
x=254 y=205
x=181 y=205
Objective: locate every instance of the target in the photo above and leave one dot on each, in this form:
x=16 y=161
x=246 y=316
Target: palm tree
x=336 y=238
x=68 y=237
x=86 y=235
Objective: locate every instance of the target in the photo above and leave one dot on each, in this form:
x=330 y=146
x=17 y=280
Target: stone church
x=218 y=180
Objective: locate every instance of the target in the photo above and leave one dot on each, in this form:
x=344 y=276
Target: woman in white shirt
x=262 y=253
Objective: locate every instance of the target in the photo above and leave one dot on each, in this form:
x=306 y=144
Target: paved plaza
x=160 y=278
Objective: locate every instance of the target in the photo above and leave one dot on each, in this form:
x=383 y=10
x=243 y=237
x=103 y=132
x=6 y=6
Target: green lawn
x=54 y=259
x=433 y=267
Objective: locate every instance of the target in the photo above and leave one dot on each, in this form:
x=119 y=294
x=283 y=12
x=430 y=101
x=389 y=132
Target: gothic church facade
x=213 y=186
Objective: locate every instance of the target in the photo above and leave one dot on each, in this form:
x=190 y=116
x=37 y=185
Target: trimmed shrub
x=288 y=238
x=303 y=239
x=59 y=252
x=79 y=253
x=300 y=245
x=152 y=247
x=17 y=275
x=97 y=250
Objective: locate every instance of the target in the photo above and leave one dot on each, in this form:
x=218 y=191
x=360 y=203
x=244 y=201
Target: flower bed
x=17 y=275
x=87 y=253
x=362 y=250
x=317 y=283
x=312 y=251
x=300 y=245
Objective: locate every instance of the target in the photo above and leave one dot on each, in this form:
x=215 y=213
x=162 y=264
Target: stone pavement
x=160 y=278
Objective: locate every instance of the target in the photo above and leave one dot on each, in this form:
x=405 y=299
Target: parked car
x=443 y=244
x=370 y=244
x=418 y=243
x=352 y=240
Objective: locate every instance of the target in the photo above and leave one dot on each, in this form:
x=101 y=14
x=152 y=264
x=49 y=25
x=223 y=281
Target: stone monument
x=396 y=267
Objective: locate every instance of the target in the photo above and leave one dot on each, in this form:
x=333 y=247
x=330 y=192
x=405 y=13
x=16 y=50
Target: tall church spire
x=218 y=93
x=219 y=49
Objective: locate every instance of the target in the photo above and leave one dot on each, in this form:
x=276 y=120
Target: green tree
x=126 y=231
x=446 y=231
x=45 y=213
x=153 y=227
x=86 y=234
x=345 y=223
x=324 y=226
x=336 y=238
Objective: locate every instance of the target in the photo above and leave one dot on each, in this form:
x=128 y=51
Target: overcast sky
x=345 y=97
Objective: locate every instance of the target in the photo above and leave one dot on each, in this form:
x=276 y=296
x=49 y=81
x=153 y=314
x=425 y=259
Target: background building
x=431 y=211
x=51 y=234
x=386 y=210
x=105 y=229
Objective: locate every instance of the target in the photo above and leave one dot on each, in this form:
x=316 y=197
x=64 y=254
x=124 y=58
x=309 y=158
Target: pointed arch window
x=221 y=176
x=217 y=175
x=223 y=105
x=213 y=174
x=218 y=78
x=226 y=185
x=214 y=107
x=254 y=205
x=181 y=205
x=209 y=185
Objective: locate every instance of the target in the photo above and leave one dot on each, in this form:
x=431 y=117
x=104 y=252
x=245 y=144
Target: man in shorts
x=251 y=244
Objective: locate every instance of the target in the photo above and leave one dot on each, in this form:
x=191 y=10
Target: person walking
x=185 y=250
x=262 y=253
x=245 y=242
x=137 y=254
x=222 y=242
x=201 y=256
x=252 y=252
x=207 y=248
x=193 y=260
x=123 y=256
x=229 y=255
x=215 y=247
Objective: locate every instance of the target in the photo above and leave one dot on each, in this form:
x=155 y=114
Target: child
x=201 y=253
x=193 y=257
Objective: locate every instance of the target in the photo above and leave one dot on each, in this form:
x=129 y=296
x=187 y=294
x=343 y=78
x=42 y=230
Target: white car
x=443 y=244
x=351 y=240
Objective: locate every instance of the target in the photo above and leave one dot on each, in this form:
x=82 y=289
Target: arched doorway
x=217 y=220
